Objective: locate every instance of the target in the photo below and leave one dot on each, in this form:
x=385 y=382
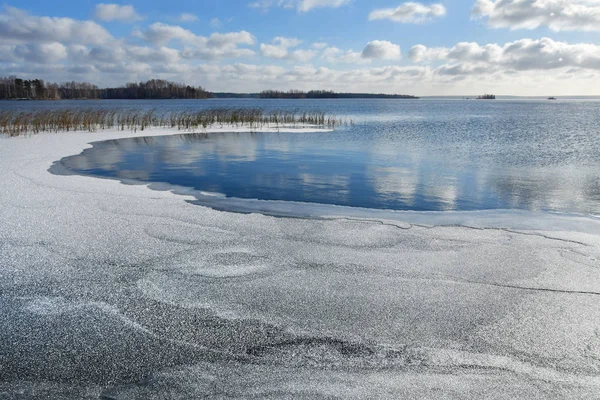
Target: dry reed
x=15 y=123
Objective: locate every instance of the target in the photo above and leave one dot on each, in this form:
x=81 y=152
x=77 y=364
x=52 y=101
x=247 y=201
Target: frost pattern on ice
x=132 y=293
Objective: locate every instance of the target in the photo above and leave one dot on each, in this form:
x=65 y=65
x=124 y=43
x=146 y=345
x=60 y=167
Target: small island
x=487 y=97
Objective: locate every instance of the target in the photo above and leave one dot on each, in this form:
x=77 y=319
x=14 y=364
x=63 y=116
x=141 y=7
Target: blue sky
x=523 y=47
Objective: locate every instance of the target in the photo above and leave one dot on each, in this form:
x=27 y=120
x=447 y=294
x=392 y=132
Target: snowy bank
x=127 y=292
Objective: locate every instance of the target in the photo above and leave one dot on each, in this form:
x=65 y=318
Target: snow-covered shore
x=127 y=292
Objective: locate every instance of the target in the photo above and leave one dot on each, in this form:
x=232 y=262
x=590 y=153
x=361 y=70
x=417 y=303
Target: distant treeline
x=325 y=94
x=36 y=89
x=13 y=88
x=229 y=95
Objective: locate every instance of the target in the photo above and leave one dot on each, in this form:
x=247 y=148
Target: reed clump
x=15 y=123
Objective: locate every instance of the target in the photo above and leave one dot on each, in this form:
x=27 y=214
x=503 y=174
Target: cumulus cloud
x=335 y=55
x=231 y=39
x=160 y=33
x=266 y=4
x=300 y=5
x=50 y=53
x=558 y=15
x=420 y=53
x=374 y=50
x=319 y=45
x=17 y=26
x=122 y=54
x=7 y=54
x=115 y=12
x=153 y=55
x=302 y=55
x=307 y=5
x=217 y=45
x=520 y=55
x=528 y=54
x=211 y=53
x=42 y=53
x=280 y=49
x=381 y=50
x=473 y=52
x=409 y=13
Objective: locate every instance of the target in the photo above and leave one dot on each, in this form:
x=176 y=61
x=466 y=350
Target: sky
x=458 y=47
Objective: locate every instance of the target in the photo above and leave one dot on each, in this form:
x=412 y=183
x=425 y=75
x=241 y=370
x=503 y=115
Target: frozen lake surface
x=119 y=291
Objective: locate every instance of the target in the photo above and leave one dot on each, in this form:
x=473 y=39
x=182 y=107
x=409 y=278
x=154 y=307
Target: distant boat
x=487 y=97
x=551 y=98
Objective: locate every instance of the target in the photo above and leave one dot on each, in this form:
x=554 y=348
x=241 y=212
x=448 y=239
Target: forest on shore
x=36 y=89
x=13 y=88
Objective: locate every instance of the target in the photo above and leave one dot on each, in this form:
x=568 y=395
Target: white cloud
x=334 y=55
x=381 y=50
x=319 y=45
x=216 y=46
x=409 y=13
x=43 y=53
x=187 y=17
x=208 y=53
x=521 y=55
x=231 y=39
x=300 y=5
x=279 y=49
x=558 y=15
x=115 y=12
x=121 y=52
x=78 y=54
x=160 y=33
x=420 y=53
x=153 y=55
x=374 y=50
x=302 y=55
x=7 y=54
x=307 y=5
x=266 y=4
x=473 y=52
x=17 y=26
x=215 y=23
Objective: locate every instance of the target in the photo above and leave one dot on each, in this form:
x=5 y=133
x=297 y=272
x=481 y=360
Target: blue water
x=401 y=155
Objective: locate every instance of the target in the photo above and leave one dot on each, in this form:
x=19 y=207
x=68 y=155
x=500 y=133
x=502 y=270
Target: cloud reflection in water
x=353 y=167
